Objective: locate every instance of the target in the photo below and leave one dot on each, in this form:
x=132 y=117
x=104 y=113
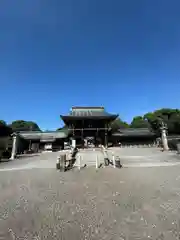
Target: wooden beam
x=80 y=129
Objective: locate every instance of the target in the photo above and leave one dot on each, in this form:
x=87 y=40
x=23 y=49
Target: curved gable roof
x=44 y=136
x=133 y=132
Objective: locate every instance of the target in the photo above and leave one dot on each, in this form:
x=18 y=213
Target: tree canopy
x=118 y=123
x=63 y=128
x=139 y=122
x=153 y=120
x=21 y=125
x=3 y=123
x=170 y=117
x=4 y=129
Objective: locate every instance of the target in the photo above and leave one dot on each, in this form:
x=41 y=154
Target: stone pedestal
x=14 y=148
x=164 y=140
x=73 y=143
x=85 y=142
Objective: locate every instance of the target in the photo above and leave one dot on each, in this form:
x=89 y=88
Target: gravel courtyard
x=130 y=203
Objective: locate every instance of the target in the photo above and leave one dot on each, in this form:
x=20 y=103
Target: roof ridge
x=87 y=108
x=41 y=132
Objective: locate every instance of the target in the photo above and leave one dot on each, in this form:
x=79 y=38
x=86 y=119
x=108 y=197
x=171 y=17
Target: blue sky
x=54 y=54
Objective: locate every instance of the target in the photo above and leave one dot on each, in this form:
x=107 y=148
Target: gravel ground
x=137 y=157
x=131 y=157
x=43 y=160
x=127 y=203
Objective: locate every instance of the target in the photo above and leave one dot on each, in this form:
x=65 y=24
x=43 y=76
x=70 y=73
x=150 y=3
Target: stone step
x=160 y=164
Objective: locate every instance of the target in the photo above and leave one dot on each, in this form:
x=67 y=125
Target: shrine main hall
x=84 y=126
x=89 y=124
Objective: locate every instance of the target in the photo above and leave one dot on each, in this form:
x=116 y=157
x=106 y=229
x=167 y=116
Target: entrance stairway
x=89 y=157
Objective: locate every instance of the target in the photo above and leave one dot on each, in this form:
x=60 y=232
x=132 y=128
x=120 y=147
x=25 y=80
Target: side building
x=32 y=141
x=133 y=136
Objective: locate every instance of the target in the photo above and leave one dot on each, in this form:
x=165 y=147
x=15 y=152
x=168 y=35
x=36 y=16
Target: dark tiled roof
x=43 y=136
x=87 y=108
x=133 y=132
x=89 y=112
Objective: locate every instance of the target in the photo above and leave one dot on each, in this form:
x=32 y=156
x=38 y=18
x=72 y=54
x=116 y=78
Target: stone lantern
x=163 y=128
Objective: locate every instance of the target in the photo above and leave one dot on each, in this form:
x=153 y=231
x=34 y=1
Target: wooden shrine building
x=89 y=125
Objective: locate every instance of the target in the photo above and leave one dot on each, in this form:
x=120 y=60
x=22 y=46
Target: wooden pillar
x=30 y=145
x=106 y=136
x=96 y=143
x=82 y=136
x=73 y=129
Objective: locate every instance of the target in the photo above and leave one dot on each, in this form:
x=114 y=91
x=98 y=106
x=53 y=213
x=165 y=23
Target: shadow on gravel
x=176 y=156
x=4 y=160
x=27 y=156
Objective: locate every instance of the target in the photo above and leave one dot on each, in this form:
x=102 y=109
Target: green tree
x=153 y=121
x=3 y=123
x=118 y=123
x=21 y=125
x=5 y=130
x=149 y=116
x=174 y=123
x=139 y=122
x=171 y=117
x=63 y=128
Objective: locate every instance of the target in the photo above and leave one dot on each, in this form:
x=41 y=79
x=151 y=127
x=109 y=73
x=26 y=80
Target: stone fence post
x=14 y=147
x=164 y=139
